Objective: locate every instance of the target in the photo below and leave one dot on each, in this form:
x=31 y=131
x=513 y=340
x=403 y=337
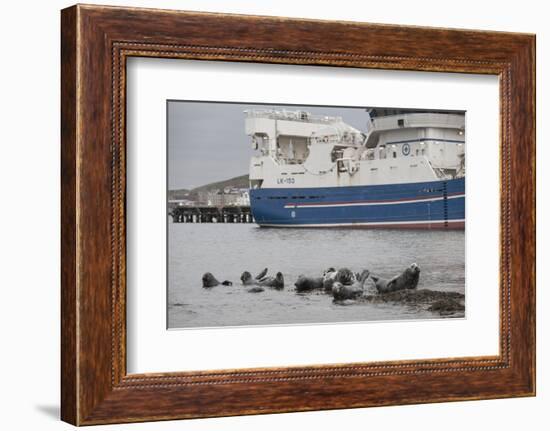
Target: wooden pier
x=211 y=214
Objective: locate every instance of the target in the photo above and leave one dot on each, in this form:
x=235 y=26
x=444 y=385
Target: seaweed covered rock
x=444 y=303
x=447 y=306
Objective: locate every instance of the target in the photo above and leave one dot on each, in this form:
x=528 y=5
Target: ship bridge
x=402 y=126
x=435 y=135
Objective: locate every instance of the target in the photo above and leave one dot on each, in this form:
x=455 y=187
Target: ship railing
x=288 y=161
x=325 y=139
x=344 y=159
x=302 y=116
x=335 y=140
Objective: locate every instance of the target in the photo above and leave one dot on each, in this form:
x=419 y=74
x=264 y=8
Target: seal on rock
x=408 y=279
x=343 y=292
x=307 y=284
x=328 y=279
x=208 y=280
x=345 y=276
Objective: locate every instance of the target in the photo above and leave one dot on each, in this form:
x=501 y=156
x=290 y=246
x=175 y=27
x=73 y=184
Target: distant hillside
x=238 y=182
x=178 y=194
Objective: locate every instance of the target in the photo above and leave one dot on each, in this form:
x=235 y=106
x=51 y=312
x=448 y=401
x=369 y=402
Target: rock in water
x=255 y=289
x=447 y=307
x=444 y=303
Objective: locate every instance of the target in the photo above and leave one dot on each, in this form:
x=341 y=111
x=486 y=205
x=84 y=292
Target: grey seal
x=408 y=279
x=261 y=274
x=342 y=292
x=276 y=282
x=307 y=284
x=345 y=276
x=328 y=279
x=247 y=280
x=208 y=280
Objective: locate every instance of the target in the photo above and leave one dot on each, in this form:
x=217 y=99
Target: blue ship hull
x=426 y=205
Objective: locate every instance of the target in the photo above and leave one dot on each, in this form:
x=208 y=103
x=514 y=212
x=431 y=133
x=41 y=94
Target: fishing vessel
x=406 y=170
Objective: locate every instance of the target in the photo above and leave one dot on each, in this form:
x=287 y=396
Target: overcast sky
x=207 y=143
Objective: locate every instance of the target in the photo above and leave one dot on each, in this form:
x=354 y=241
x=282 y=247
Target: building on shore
x=229 y=196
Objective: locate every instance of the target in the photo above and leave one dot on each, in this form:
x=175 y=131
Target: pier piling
x=210 y=214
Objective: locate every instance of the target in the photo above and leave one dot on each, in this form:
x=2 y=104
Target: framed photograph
x=264 y=215
x=315 y=178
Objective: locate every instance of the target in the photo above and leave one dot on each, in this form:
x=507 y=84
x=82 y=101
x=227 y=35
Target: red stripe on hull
x=455 y=225
x=381 y=202
x=458 y=225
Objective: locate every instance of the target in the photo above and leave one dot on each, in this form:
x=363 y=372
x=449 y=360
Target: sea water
x=226 y=250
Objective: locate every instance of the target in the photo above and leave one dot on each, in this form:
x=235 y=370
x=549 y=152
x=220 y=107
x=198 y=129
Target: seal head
x=208 y=280
x=246 y=278
x=345 y=276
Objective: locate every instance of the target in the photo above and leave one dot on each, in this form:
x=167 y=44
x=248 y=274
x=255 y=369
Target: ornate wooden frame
x=95 y=43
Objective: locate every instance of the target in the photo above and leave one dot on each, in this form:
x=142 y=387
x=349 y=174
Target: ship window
x=401 y=122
